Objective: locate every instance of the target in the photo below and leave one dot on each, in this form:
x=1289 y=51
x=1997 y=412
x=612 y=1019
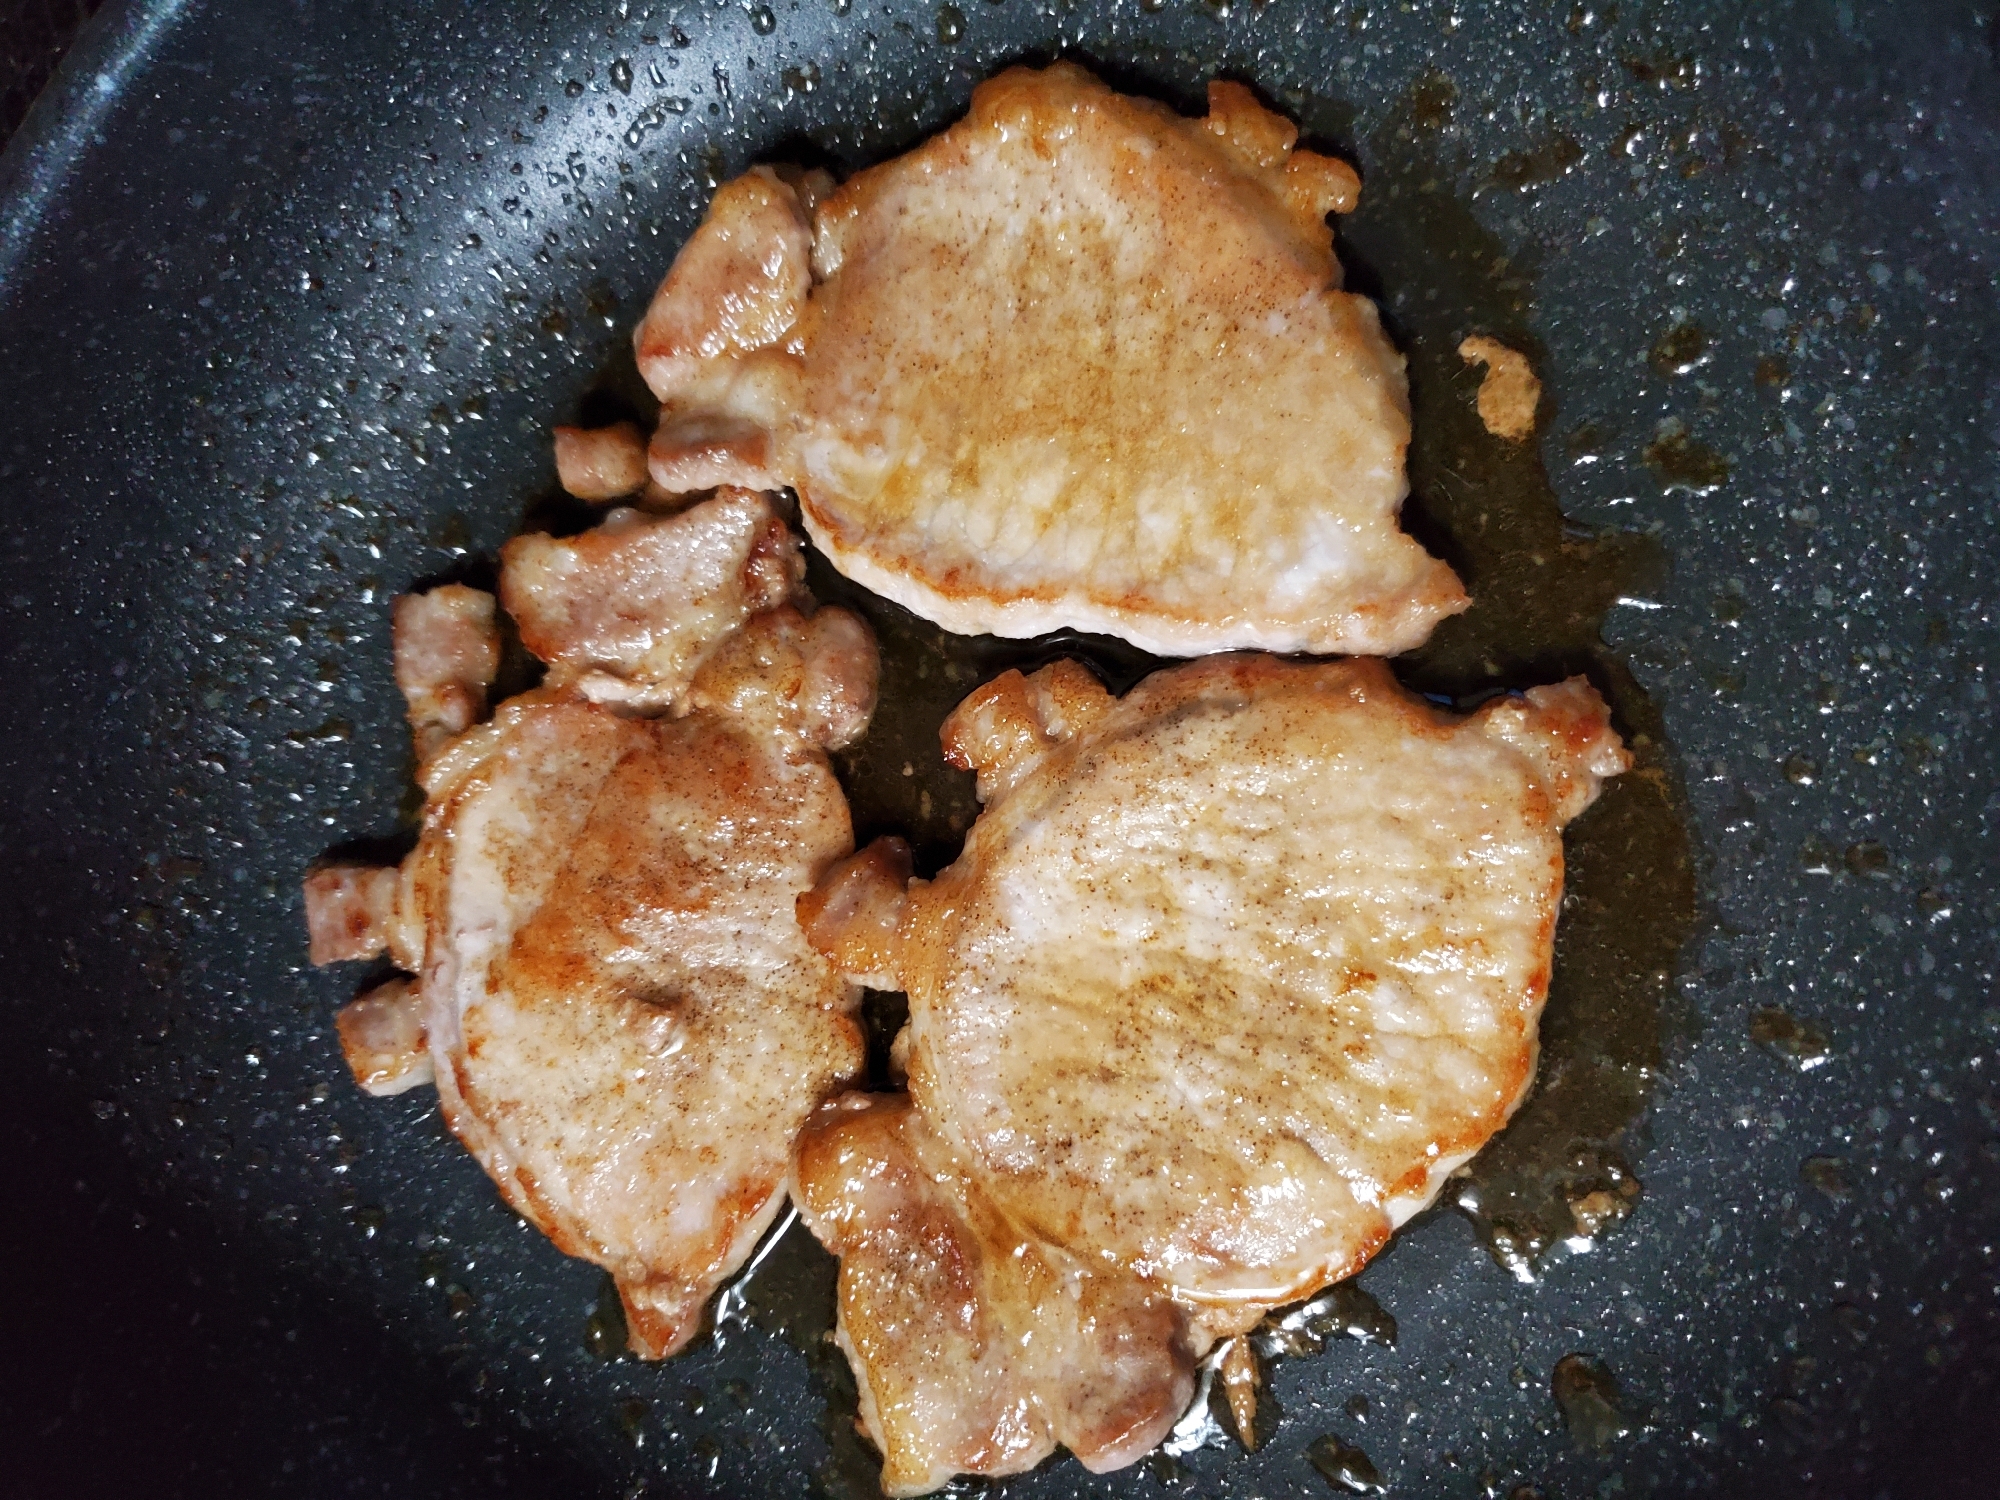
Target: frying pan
x=291 y=294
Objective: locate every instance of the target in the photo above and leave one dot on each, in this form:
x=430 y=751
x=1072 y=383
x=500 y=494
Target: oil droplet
x=1667 y=69
x=621 y=75
x=1345 y=1467
x=1553 y=159
x=1682 y=463
x=632 y=1414
x=802 y=79
x=1344 y=1310
x=332 y=732
x=604 y=1333
x=1431 y=100
x=1681 y=348
x=1828 y=1174
x=950 y=24
x=652 y=117
x=1801 y=1041
x=842 y=7
x=1168 y=1472
x=1852 y=1320
x=1866 y=858
x=1795 y=1420
x=1589 y=1401
x=1772 y=372
x=762 y=21
x=1801 y=770
x=711 y=165
x=1515 y=1248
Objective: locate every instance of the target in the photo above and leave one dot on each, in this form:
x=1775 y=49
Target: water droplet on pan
x=1345 y=1466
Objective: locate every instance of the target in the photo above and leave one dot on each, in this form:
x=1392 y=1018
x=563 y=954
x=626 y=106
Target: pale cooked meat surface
x=601 y=463
x=626 y=1023
x=628 y=611
x=1076 y=362
x=447 y=650
x=382 y=1037
x=350 y=911
x=812 y=676
x=1234 y=971
x=738 y=285
x=715 y=344
x=975 y=1349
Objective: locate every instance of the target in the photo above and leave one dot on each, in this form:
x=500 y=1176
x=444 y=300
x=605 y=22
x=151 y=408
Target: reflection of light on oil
x=732 y=1305
x=1198 y=1427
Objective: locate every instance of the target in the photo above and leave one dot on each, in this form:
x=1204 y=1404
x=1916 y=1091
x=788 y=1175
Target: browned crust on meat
x=382 y=1038
x=601 y=463
x=1003 y=729
x=349 y=909
x=1509 y=393
x=853 y=916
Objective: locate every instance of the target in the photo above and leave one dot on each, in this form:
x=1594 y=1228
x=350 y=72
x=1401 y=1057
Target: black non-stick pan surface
x=289 y=297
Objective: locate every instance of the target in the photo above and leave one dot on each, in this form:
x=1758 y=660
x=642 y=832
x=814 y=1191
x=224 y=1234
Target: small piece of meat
x=627 y=612
x=350 y=911
x=975 y=1350
x=1312 y=185
x=447 y=650
x=706 y=451
x=813 y=678
x=1564 y=730
x=837 y=697
x=1003 y=728
x=382 y=1037
x=1075 y=362
x=855 y=914
x=1509 y=392
x=1240 y=1379
x=601 y=463
x=737 y=286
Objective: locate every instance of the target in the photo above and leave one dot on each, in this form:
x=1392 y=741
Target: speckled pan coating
x=287 y=327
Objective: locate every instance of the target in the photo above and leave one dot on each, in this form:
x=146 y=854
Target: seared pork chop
x=1233 y=971
x=625 y=1023
x=1076 y=362
x=627 y=1026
